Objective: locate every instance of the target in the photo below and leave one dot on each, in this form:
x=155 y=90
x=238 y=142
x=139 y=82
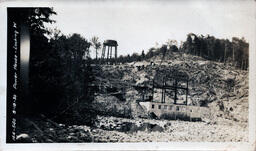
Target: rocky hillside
x=223 y=88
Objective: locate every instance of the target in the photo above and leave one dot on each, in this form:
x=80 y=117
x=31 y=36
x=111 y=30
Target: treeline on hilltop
x=235 y=52
x=221 y=50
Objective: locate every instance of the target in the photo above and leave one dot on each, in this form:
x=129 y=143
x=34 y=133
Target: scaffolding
x=176 y=85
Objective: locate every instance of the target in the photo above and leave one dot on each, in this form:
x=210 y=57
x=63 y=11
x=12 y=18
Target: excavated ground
x=222 y=88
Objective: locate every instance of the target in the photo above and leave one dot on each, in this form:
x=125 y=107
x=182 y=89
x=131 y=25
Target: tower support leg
x=108 y=54
x=115 y=54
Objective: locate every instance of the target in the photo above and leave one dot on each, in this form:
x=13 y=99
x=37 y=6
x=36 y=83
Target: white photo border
x=121 y=146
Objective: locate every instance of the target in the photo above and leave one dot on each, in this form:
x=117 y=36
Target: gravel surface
x=173 y=131
x=113 y=129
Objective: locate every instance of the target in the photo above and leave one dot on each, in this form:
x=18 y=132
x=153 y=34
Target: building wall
x=161 y=109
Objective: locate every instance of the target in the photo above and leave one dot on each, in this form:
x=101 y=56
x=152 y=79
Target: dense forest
x=60 y=70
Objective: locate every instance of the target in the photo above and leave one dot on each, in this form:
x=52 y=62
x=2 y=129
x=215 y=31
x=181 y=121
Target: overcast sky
x=138 y=25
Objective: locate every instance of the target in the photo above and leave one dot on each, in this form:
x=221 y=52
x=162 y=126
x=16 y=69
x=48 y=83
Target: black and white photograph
x=116 y=72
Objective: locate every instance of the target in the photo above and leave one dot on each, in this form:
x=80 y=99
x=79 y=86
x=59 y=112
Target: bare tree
x=96 y=44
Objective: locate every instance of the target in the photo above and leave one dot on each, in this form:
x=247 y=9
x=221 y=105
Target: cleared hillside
x=222 y=88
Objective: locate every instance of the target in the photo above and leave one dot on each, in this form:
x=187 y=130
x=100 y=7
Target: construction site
x=163 y=94
x=172 y=96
